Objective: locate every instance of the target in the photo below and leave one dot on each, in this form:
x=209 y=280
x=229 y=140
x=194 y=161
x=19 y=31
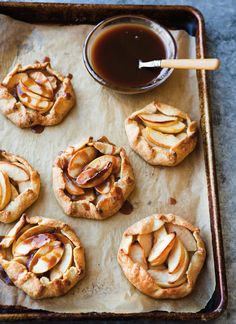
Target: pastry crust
x=140 y=276
x=25 y=192
x=61 y=102
x=103 y=205
x=17 y=268
x=154 y=154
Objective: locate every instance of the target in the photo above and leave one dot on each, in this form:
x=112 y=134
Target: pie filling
x=36 y=89
x=162 y=130
x=46 y=253
x=165 y=253
x=89 y=174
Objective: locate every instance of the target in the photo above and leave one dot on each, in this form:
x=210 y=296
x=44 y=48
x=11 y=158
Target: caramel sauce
x=117 y=50
x=86 y=207
x=21 y=92
x=72 y=197
x=172 y=201
x=64 y=164
x=126 y=208
x=1 y=237
x=16 y=88
x=51 y=260
x=92 y=174
x=28 y=262
x=37 y=129
x=70 y=76
x=15 y=184
x=66 y=175
x=67 y=95
x=14 y=93
x=4 y=277
x=46 y=59
x=39 y=240
x=64 y=239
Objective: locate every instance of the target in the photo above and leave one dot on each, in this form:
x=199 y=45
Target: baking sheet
x=100 y=111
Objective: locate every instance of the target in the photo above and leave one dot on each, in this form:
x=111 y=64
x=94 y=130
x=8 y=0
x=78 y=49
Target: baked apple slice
x=24 y=185
x=136 y=253
x=159 y=234
x=14 y=81
x=65 y=263
x=46 y=257
x=80 y=159
x=184 y=235
x=165 y=279
x=88 y=195
x=5 y=190
x=43 y=82
x=99 y=162
x=160 y=276
x=14 y=172
x=160 y=139
x=33 y=100
x=161 y=249
x=32 y=243
x=53 y=81
x=145 y=241
x=105 y=187
x=176 y=256
x=14 y=192
x=32 y=231
x=157 y=119
x=171 y=129
x=163 y=123
x=71 y=187
x=92 y=177
x=38 y=88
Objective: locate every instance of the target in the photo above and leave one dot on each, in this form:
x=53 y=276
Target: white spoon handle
x=195 y=64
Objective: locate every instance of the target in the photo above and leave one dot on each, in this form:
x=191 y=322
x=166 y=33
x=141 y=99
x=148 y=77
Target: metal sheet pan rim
x=23 y=313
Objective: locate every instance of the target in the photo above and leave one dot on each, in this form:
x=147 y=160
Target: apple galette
x=19 y=186
x=92 y=179
x=36 y=95
x=161 y=134
x=162 y=256
x=42 y=256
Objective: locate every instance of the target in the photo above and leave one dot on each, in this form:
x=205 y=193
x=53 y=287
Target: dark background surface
x=220 y=19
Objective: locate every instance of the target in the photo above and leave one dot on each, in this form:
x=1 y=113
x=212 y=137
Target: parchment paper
x=100 y=111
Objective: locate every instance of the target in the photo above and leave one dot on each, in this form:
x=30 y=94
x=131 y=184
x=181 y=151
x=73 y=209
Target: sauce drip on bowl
x=116 y=51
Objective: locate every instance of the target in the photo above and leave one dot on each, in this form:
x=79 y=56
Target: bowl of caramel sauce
x=114 y=47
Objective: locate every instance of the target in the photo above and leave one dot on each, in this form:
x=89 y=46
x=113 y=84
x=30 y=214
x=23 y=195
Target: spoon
x=195 y=64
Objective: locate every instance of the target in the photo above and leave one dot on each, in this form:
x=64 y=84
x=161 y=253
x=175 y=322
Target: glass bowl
x=163 y=33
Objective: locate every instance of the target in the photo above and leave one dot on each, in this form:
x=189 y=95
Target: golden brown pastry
x=19 y=186
x=161 y=134
x=42 y=256
x=36 y=95
x=92 y=179
x=162 y=256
